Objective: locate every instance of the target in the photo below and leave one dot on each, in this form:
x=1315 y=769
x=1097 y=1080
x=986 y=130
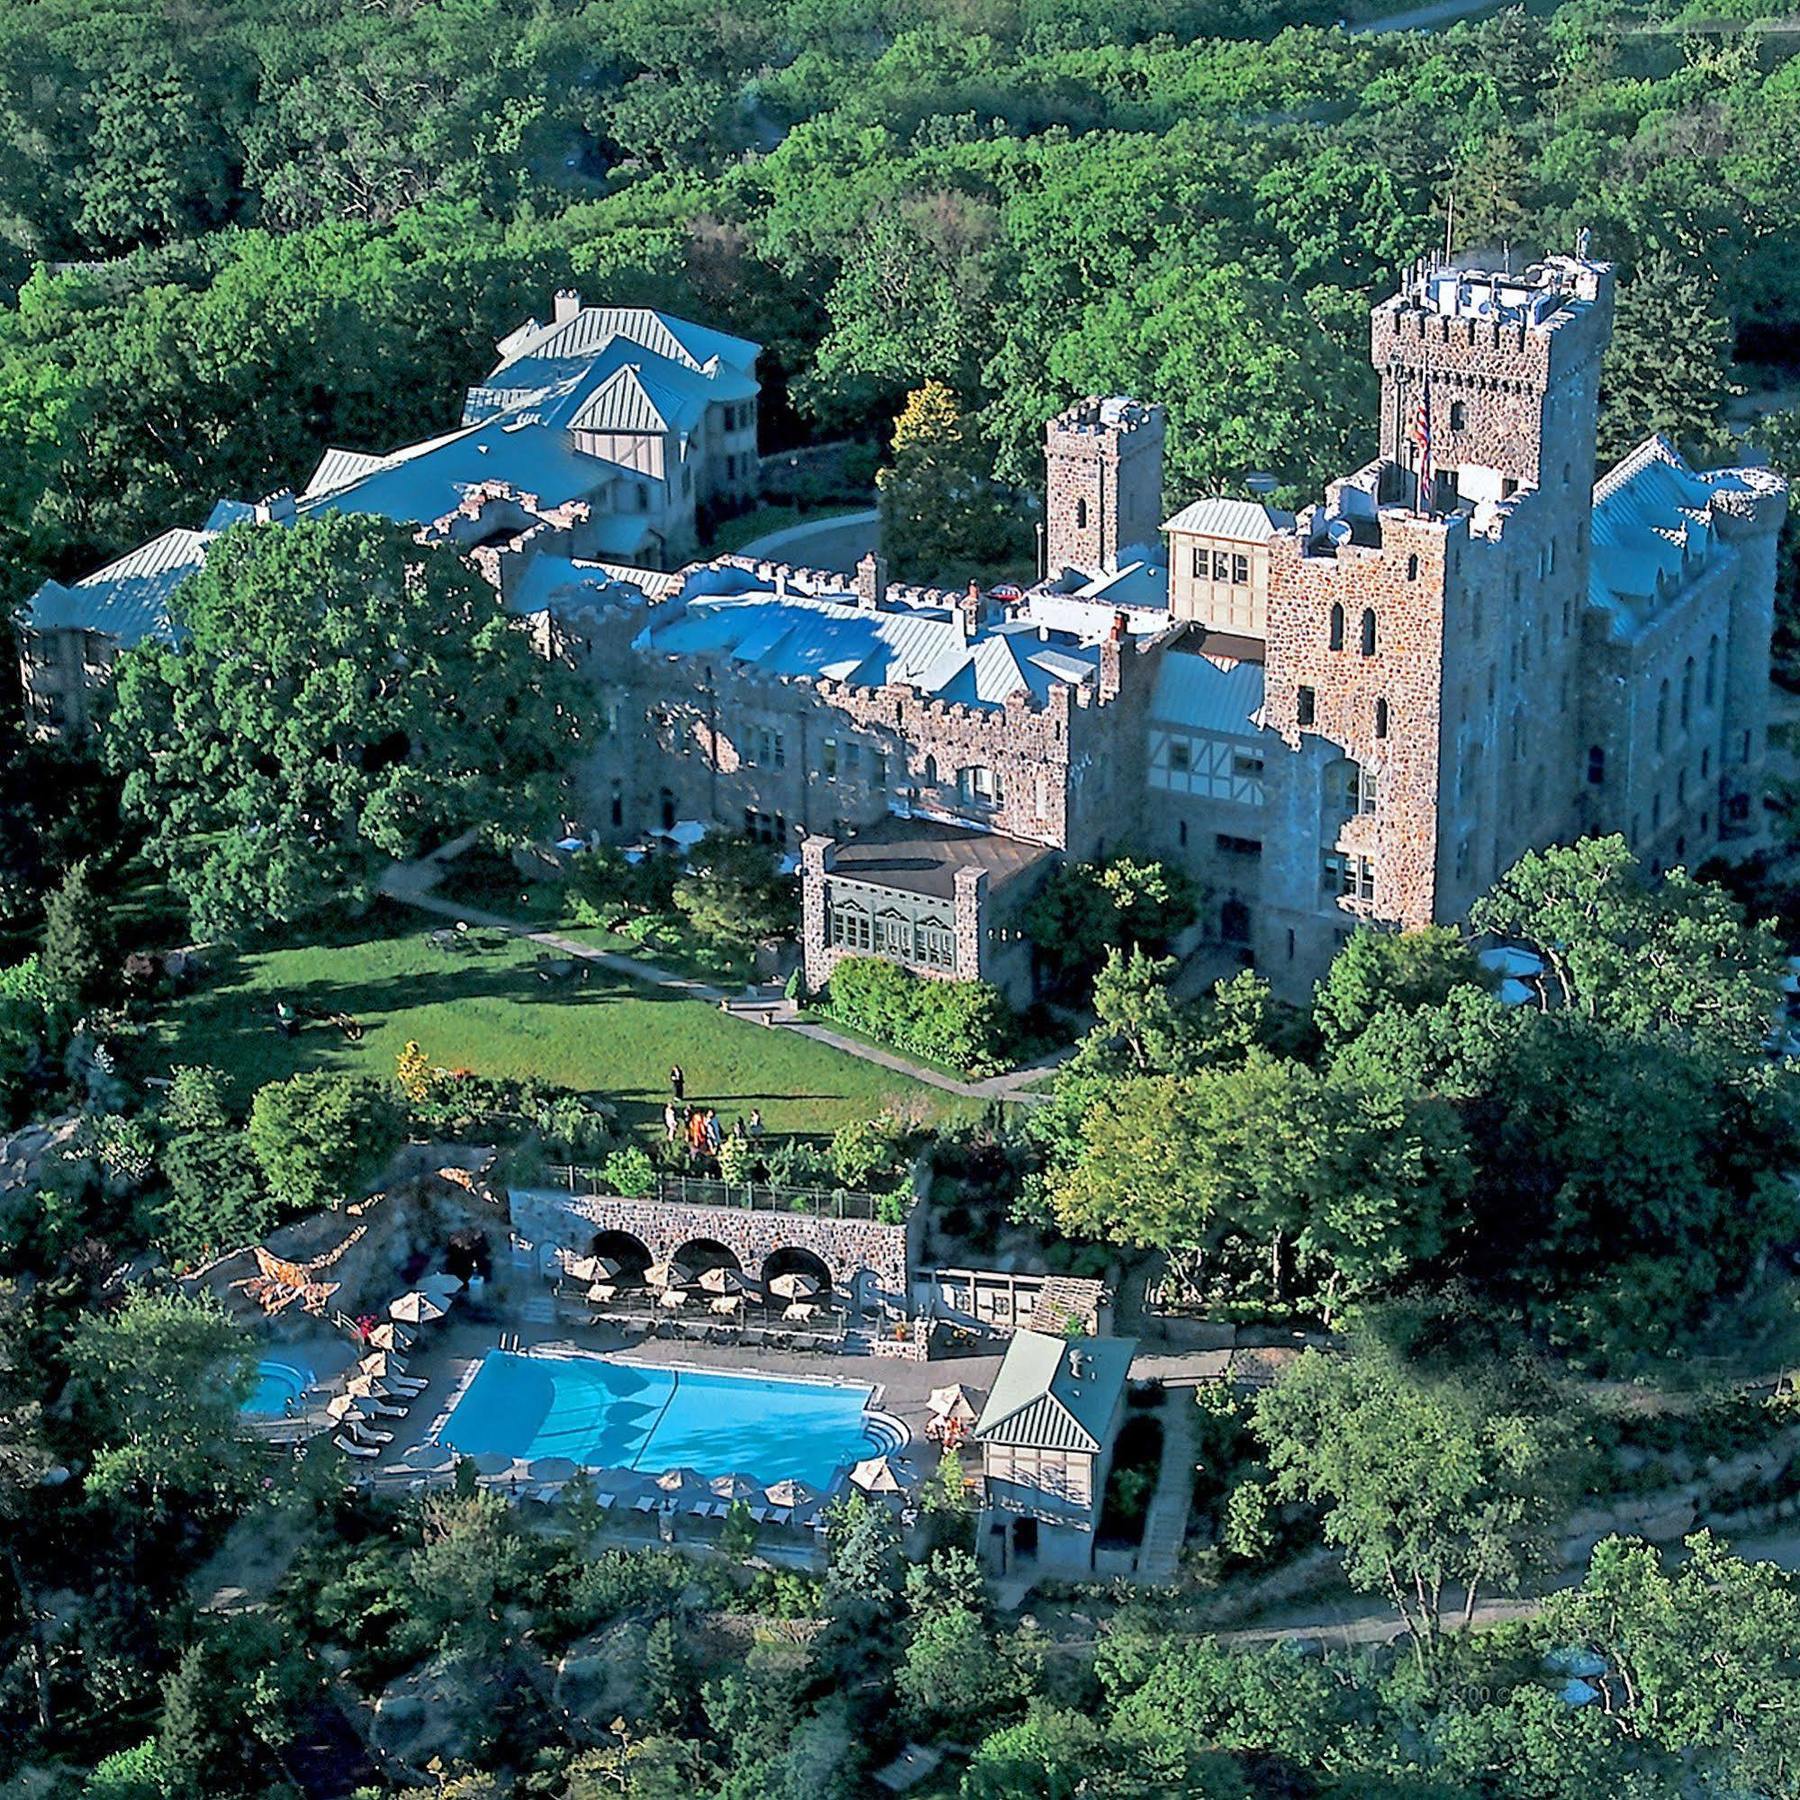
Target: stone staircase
x=1165 y=1525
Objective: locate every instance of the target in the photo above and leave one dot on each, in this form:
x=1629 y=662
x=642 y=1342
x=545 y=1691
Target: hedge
x=964 y=1024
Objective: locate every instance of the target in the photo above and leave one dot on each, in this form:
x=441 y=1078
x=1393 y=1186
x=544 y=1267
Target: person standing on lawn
x=678 y=1083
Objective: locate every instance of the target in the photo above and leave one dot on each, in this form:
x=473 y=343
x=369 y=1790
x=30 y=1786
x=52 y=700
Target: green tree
x=157 y=1388
x=1084 y=909
x=216 y=1199
x=80 y=952
x=1668 y=368
x=951 y=1674
x=1425 y=1482
x=1379 y=970
x=734 y=894
x=343 y=698
x=942 y=518
x=318 y=1138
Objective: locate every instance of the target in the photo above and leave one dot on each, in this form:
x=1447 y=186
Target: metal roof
x=1056 y=1393
x=128 y=599
x=921 y=856
x=1201 y=694
x=1652 y=533
x=663 y=334
x=1243 y=521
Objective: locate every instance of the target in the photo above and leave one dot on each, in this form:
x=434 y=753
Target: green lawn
x=487 y=1010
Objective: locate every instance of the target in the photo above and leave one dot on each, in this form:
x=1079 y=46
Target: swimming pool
x=278 y=1389
x=617 y=1415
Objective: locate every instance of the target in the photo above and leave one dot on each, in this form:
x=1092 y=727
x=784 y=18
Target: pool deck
x=450 y=1352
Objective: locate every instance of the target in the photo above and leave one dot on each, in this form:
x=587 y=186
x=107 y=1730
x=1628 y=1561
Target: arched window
x=1596 y=765
x=931 y=774
x=1081 y=515
x=1368 y=631
x=1412 y=568
x=1335 y=638
x=1712 y=670
x=1381 y=718
x=1662 y=714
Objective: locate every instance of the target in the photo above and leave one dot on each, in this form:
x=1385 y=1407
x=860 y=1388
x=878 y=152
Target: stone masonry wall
x=846 y=1246
x=1103 y=483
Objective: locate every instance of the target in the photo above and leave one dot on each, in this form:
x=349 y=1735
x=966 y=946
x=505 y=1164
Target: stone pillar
x=816 y=857
x=971 y=933
x=871 y=581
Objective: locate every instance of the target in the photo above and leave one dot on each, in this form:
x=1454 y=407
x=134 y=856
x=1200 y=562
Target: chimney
x=968 y=611
x=1121 y=625
x=568 y=304
x=1110 y=677
x=871 y=582
x=276 y=508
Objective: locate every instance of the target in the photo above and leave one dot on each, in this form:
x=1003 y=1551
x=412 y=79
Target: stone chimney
x=968 y=612
x=276 y=509
x=1110 y=676
x=568 y=304
x=871 y=581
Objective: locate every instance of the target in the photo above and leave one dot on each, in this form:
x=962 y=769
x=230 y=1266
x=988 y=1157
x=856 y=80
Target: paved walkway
x=412 y=884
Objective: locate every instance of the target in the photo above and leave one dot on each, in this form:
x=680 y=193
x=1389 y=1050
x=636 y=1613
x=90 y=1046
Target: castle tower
x=1103 y=485
x=1424 y=659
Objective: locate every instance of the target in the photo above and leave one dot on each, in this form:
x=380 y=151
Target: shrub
x=965 y=1024
x=630 y=1172
x=868 y=1152
x=318 y=1138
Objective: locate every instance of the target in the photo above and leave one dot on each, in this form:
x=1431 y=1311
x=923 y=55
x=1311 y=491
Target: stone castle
x=1361 y=713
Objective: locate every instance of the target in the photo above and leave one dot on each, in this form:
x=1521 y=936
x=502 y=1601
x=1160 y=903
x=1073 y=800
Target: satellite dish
x=1340 y=531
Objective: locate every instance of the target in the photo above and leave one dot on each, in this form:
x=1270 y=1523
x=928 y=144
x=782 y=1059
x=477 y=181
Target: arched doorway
x=698 y=1255
x=630 y=1252
x=791 y=1260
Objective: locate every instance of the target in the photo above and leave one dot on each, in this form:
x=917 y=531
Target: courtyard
x=498 y=1006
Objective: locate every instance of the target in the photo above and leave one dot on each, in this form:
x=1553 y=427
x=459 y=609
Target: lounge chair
x=644 y=1503
x=366 y=1435
x=701 y=1509
x=350 y=1449
x=606 y=1502
x=377 y=1403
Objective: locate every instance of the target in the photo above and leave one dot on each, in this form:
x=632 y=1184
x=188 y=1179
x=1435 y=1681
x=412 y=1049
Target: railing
x=701 y=1190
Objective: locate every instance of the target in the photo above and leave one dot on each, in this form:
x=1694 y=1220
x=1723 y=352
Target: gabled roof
x=1243 y=521
x=128 y=599
x=1055 y=1393
x=662 y=334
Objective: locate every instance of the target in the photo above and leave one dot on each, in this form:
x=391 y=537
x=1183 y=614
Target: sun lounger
x=606 y=1502
x=644 y=1503
x=759 y=1515
x=367 y=1434
x=701 y=1509
x=350 y=1449
x=780 y=1515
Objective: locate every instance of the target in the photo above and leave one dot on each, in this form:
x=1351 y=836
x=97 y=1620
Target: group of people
x=698 y=1126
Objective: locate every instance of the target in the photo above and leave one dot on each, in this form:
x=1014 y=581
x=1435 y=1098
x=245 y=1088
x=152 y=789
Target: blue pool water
x=616 y=1415
x=278 y=1388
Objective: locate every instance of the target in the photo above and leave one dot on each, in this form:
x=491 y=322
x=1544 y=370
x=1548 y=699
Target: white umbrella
x=427 y=1459
x=678 y=1480
x=723 y=1280
x=441 y=1287
x=345 y=1406
x=875 y=1475
x=391 y=1337
x=552 y=1468
x=492 y=1462
x=366 y=1387
x=582 y=1268
x=791 y=1494
x=794 y=1285
x=673 y=1297
x=383 y=1363
x=951 y=1402
x=667 y=1275
x=735 y=1487
x=415 y=1309
x=728 y=1303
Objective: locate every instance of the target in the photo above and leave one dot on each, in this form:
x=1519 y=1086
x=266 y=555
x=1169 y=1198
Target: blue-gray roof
x=826 y=636
x=1055 y=1393
x=128 y=599
x=1198 y=694
x=1652 y=531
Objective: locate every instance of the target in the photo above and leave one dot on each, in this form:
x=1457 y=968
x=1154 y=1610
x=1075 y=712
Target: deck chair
x=350 y=1449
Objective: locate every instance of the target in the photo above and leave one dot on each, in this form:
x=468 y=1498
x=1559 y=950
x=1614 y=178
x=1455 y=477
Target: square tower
x=1425 y=650
x=1103 y=487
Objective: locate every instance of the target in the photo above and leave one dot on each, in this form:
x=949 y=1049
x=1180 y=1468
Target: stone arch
x=702 y=1253
x=625 y=1248
x=792 y=1259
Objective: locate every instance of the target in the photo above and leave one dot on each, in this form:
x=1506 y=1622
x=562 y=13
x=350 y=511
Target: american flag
x=1422 y=437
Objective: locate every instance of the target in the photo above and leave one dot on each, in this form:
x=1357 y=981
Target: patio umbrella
x=383 y=1363
x=601 y=1292
x=582 y=1268
x=951 y=1402
x=415 y=1309
x=366 y=1387
x=551 y=1468
x=668 y=1275
x=681 y=1481
x=492 y=1462
x=728 y=1303
x=735 y=1487
x=443 y=1288
x=427 y=1459
x=875 y=1475
x=791 y=1494
x=794 y=1285
x=391 y=1337
x=345 y=1406
x=723 y=1280
x=673 y=1297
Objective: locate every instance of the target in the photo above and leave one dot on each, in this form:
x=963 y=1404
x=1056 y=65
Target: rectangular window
x=1237 y=846
x=1221 y=566
x=979 y=785
x=1246 y=767
x=1240 y=571
x=1347 y=877
x=1200 y=564
x=852 y=761
x=828 y=759
x=852 y=928
x=1305 y=706
x=878 y=768
x=1181 y=756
